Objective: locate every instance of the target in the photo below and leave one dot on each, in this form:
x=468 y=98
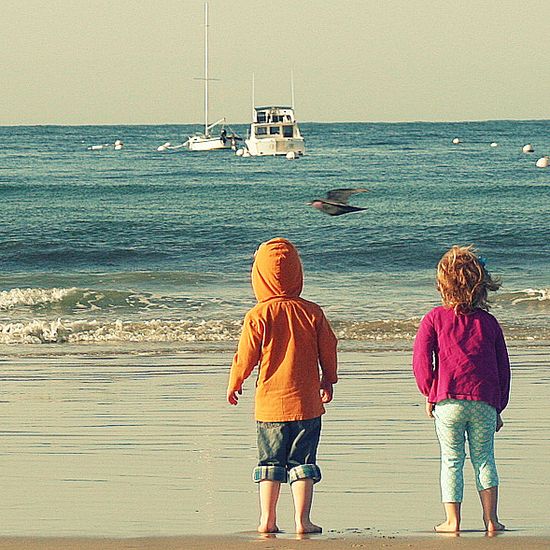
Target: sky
x=137 y=61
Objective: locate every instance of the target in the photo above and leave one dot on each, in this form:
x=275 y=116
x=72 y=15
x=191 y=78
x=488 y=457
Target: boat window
x=261 y=116
x=277 y=118
x=288 y=131
x=274 y=130
x=261 y=131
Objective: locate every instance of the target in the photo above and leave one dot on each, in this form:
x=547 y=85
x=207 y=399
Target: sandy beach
x=142 y=448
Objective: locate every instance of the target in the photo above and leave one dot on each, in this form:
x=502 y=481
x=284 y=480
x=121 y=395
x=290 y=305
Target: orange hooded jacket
x=287 y=337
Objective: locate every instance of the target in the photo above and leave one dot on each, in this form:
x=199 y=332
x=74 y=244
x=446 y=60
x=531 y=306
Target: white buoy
x=456 y=141
x=543 y=162
x=494 y=144
x=239 y=152
x=246 y=153
x=118 y=145
x=164 y=146
x=291 y=155
x=528 y=148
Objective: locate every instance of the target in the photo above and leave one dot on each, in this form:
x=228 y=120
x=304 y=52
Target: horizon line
x=417 y=121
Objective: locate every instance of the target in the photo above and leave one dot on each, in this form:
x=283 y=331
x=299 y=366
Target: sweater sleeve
x=423 y=355
x=248 y=353
x=327 y=343
x=503 y=365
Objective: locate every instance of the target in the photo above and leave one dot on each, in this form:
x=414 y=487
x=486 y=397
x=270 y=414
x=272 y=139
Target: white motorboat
x=274 y=131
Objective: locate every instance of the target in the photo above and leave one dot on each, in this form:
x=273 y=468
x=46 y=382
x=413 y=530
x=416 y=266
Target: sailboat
x=207 y=140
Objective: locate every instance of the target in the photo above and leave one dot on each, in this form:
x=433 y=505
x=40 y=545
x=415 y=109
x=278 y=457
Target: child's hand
x=429 y=409
x=500 y=423
x=326 y=392
x=233 y=395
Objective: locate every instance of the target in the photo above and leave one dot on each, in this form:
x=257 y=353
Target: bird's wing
x=333 y=209
x=342 y=195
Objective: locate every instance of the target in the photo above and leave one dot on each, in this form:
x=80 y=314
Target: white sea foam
x=16 y=297
x=95 y=331
x=102 y=331
x=61 y=331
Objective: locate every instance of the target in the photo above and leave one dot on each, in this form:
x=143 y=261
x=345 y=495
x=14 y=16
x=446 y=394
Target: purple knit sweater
x=462 y=357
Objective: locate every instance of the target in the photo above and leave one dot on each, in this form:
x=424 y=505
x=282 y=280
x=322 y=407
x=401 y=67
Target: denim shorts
x=287 y=451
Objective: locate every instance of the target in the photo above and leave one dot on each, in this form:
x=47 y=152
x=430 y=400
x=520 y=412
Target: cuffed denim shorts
x=287 y=451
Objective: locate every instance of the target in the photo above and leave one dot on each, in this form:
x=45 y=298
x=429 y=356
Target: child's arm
x=423 y=354
x=328 y=361
x=246 y=358
x=503 y=364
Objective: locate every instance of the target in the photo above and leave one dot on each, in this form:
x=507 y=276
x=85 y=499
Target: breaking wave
x=32 y=297
x=65 y=301
x=537 y=297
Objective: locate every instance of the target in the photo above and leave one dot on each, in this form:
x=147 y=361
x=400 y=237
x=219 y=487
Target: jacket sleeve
x=504 y=372
x=423 y=355
x=327 y=343
x=248 y=353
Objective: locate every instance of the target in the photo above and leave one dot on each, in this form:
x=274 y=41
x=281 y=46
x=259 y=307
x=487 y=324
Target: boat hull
x=274 y=147
x=201 y=143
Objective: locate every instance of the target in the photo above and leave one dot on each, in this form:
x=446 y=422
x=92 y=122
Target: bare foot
x=308 y=527
x=447 y=527
x=268 y=528
x=492 y=526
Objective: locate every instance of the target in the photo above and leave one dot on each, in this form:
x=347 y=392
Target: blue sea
x=136 y=247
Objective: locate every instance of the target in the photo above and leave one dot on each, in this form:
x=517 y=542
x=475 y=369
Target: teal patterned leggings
x=456 y=419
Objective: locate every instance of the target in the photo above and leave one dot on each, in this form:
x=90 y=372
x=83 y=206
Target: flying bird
x=336 y=202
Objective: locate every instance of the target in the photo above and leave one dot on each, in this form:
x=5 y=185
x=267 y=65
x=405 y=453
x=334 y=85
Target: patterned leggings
x=454 y=420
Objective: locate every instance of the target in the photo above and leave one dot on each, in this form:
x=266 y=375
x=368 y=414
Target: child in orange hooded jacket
x=288 y=338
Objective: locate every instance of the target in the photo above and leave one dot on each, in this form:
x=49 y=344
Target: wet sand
x=141 y=445
x=236 y=543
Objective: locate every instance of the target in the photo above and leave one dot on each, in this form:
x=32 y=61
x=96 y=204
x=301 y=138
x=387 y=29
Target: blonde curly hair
x=463 y=281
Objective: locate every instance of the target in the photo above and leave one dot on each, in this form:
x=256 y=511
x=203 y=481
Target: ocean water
x=139 y=247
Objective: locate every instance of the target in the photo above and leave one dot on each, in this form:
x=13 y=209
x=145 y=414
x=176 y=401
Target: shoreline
x=115 y=348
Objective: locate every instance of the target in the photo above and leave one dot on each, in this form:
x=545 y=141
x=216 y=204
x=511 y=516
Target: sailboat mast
x=206 y=133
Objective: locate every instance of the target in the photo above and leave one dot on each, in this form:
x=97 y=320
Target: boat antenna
x=253 y=92
x=206 y=69
x=292 y=88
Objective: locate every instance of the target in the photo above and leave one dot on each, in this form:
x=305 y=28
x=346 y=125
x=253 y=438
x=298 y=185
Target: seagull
x=336 y=202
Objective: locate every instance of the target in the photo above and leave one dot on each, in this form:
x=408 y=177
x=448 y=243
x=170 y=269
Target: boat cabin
x=275 y=121
x=274 y=131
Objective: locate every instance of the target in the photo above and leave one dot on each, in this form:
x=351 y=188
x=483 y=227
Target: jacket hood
x=277 y=270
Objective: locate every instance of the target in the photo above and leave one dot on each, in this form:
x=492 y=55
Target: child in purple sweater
x=461 y=365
